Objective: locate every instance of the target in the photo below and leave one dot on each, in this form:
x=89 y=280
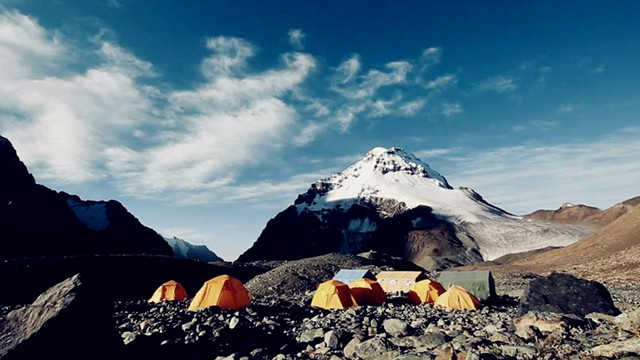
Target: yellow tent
x=367 y=292
x=332 y=294
x=425 y=291
x=171 y=291
x=457 y=298
x=223 y=291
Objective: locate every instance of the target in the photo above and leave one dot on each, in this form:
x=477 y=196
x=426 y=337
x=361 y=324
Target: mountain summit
x=393 y=202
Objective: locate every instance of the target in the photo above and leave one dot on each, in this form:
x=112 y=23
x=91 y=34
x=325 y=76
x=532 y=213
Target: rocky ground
x=276 y=326
x=280 y=324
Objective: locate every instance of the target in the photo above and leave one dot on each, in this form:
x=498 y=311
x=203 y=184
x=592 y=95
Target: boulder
x=71 y=320
x=564 y=293
x=395 y=327
x=628 y=321
x=375 y=348
x=618 y=348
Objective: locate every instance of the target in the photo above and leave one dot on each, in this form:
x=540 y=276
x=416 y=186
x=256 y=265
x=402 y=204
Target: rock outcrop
x=71 y=320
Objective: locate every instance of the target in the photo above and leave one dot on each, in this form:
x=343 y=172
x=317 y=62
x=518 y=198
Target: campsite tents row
x=228 y=292
x=480 y=282
x=223 y=291
x=333 y=294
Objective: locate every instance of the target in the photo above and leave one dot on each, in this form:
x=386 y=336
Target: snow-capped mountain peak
x=397 y=175
x=388 y=184
x=395 y=160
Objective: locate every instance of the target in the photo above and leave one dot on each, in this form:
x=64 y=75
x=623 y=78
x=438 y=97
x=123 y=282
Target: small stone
x=187 y=326
x=332 y=338
x=512 y=350
x=395 y=327
x=233 y=322
x=128 y=337
x=310 y=335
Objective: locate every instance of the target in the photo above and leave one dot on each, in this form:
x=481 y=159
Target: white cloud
x=412 y=107
x=424 y=155
x=296 y=38
x=229 y=56
x=375 y=79
x=103 y=125
x=442 y=82
x=308 y=133
x=380 y=108
x=358 y=92
x=118 y=60
x=450 y=109
x=349 y=69
x=528 y=177
x=499 y=84
x=431 y=56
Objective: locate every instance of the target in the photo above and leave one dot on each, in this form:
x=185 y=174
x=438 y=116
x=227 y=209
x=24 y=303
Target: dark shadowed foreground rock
x=564 y=293
x=71 y=320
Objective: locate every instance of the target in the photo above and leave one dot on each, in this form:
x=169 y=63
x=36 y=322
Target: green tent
x=479 y=282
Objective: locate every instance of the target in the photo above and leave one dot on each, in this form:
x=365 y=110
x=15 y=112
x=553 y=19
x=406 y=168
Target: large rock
x=71 y=320
x=375 y=348
x=564 y=293
x=618 y=348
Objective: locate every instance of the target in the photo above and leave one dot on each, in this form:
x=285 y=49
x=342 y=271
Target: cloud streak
x=528 y=177
x=500 y=84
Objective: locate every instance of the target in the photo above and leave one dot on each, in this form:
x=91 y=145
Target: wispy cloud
x=442 y=82
x=431 y=56
x=349 y=69
x=501 y=84
x=412 y=107
x=426 y=154
x=567 y=108
x=450 y=109
x=229 y=56
x=105 y=124
x=296 y=38
x=529 y=177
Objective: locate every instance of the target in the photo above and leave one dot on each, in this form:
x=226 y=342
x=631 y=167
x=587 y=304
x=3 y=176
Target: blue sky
x=207 y=118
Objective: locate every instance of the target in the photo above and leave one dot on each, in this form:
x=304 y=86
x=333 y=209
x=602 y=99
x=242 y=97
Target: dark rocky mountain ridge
x=38 y=221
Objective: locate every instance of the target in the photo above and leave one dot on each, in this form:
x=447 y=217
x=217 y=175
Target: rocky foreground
x=554 y=317
x=273 y=328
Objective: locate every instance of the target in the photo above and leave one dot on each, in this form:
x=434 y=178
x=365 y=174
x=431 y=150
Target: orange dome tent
x=457 y=298
x=367 y=292
x=171 y=291
x=332 y=294
x=223 y=291
x=425 y=291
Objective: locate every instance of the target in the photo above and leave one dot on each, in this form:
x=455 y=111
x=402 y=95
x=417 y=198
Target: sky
x=207 y=118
